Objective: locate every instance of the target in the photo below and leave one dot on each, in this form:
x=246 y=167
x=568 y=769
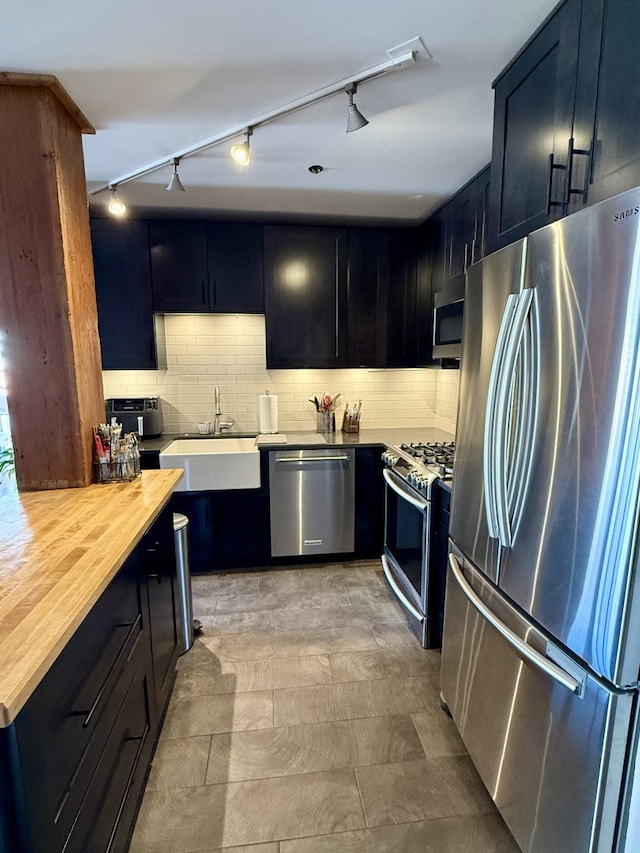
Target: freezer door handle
x=521 y=648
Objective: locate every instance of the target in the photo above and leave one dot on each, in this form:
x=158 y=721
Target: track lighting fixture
x=401 y=56
x=175 y=184
x=241 y=154
x=355 y=119
x=116 y=207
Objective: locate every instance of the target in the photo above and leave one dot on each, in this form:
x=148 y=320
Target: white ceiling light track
x=400 y=57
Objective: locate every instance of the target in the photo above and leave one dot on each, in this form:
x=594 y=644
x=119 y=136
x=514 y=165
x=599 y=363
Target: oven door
x=406 y=547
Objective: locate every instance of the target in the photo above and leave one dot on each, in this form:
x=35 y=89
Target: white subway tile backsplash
x=229 y=351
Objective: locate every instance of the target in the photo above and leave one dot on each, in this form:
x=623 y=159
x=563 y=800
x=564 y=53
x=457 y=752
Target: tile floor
x=306 y=719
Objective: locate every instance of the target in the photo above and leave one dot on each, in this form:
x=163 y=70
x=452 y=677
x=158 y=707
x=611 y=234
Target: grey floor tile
x=370 y=594
x=179 y=763
x=232 y=583
x=438 y=733
x=322 y=578
x=229 y=712
x=351 y=700
x=251 y=675
x=379 y=663
x=279 y=599
x=216 y=623
x=290 y=643
x=475 y=834
x=197 y=655
x=285 y=722
x=243 y=812
x=422 y=790
x=362 y=616
x=390 y=636
x=311 y=748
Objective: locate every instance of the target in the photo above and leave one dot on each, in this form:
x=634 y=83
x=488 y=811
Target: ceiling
x=155 y=78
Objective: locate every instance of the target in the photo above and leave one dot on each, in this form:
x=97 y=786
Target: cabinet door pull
x=132 y=773
x=98 y=700
x=580 y=152
x=552 y=167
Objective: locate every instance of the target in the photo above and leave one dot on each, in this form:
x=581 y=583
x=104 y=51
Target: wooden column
x=49 y=340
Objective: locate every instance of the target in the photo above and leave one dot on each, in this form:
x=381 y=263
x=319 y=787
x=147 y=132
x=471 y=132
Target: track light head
x=175 y=184
x=115 y=206
x=355 y=119
x=241 y=154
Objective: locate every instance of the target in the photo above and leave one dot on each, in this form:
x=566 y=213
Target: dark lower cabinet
x=74 y=762
x=160 y=604
x=369 y=497
x=439 y=557
x=231 y=529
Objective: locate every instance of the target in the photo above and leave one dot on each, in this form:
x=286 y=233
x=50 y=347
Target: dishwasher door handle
x=342 y=458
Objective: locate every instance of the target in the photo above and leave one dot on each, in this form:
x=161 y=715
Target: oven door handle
x=401 y=596
x=391 y=482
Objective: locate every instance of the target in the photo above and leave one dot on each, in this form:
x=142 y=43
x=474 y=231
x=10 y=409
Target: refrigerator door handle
x=505 y=414
x=489 y=444
x=523 y=649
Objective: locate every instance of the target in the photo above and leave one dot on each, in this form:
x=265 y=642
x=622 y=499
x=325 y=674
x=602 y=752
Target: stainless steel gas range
x=411 y=474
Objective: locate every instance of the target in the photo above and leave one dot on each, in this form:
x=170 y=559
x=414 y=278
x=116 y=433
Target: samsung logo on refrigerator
x=625 y=214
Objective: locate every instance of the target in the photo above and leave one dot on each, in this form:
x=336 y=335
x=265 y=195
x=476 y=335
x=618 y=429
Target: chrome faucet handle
x=217 y=397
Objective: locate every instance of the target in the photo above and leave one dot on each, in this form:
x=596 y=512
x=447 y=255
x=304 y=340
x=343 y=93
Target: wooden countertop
x=59 y=550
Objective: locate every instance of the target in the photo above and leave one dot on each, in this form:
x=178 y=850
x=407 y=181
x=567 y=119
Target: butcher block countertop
x=59 y=550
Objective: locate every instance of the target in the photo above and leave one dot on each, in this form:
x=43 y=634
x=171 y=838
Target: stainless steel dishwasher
x=311 y=498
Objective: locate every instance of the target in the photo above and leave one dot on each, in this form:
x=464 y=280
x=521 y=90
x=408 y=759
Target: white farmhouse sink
x=214 y=463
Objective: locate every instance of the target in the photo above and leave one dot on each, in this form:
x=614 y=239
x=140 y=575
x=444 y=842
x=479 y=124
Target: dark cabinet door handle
x=553 y=167
x=215 y=291
x=98 y=700
x=127 y=787
x=204 y=292
x=578 y=152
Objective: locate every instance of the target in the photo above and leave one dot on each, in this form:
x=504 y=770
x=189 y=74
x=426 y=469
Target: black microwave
x=448 y=306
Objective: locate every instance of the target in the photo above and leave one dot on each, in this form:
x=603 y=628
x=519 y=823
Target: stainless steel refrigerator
x=541 y=645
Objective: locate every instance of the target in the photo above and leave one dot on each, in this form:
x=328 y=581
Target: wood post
x=49 y=342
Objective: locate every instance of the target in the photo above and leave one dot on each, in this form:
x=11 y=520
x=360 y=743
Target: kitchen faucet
x=218 y=423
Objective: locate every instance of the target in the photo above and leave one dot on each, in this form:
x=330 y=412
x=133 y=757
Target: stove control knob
x=389 y=459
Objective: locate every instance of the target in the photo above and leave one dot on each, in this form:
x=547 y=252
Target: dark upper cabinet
x=368 y=296
x=567 y=117
x=305 y=296
x=464 y=227
x=426 y=240
x=202 y=267
x=534 y=103
x=179 y=266
x=235 y=274
x=401 y=316
x=607 y=115
x=123 y=291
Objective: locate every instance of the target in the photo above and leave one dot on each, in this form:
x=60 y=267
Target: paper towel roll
x=268 y=413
